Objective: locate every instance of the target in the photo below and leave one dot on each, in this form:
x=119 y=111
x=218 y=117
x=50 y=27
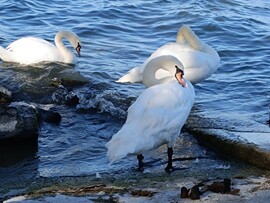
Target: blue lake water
x=117 y=36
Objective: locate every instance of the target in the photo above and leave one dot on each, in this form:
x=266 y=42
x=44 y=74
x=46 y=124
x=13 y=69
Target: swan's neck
x=166 y=63
x=66 y=54
x=186 y=36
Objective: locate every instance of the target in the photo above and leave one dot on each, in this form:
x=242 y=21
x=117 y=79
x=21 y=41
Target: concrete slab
x=246 y=140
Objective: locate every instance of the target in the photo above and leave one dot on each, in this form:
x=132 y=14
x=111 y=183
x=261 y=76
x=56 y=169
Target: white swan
x=157 y=116
x=30 y=50
x=199 y=59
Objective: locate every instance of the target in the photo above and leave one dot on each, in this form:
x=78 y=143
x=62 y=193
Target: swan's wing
x=198 y=65
x=155 y=118
x=133 y=76
x=30 y=50
x=160 y=103
x=28 y=44
x=189 y=57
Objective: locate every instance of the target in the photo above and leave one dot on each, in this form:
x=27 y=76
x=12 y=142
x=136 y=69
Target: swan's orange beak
x=78 y=49
x=179 y=76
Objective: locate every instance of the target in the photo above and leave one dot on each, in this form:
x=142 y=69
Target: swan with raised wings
x=157 y=116
x=199 y=59
x=31 y=50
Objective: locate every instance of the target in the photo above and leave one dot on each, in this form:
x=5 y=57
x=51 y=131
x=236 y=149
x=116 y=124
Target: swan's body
x=30 y=50
x=199 y=59
x=157 y=116
x=154 y=119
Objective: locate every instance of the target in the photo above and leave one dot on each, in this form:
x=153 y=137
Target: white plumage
x=199 y=59
x=157 y=116
x=154 y=119
x=30 y=50
x=159 y=113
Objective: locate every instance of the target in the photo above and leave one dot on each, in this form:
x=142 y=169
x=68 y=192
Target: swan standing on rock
x=158 y=114
x=30 y=50
x=199 y=59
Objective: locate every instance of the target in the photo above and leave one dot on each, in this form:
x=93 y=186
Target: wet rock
x=13 y=151
x=72 y=99
x=66 y=75
x=63 y=96
x=71 y=77
x=220 y=186
x=49 y=116
x=5 y=95
x=142 y=193
x=18 y=121
x=184 y=192
x=194 y=193
x=250 y=138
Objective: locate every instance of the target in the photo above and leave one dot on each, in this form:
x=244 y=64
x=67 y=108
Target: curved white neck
x=166 y=63
x=186 y=36
x=66 y=54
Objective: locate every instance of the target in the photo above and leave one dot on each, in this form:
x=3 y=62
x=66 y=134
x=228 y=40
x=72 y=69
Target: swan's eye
x=179 y=70
x=78 y=48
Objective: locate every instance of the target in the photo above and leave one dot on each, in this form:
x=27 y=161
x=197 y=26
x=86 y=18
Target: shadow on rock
x=13 y=151
x=18 y=132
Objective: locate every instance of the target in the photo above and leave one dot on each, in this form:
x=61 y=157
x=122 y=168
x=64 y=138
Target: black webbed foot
x=140 y=158
x=169 y=168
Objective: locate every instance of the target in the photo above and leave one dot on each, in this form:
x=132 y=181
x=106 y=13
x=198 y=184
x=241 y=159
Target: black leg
x=169 y=167
x=140 y=162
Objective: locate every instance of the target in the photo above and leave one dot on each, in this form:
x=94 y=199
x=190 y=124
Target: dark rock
x=227 y=184
x=194 y=193
x=72 y=100
x=13 y=151
x=63 y=96
x=5 y=95
x=18 y=121
x=59 y=95
x=220 y=187
x=142 y=193
x=184 y=192
x=49 y=116
x=71 y=77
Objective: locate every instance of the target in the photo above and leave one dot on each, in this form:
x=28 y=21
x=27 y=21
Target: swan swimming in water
x=199 y=59
x=158 y=114
x=30 y=50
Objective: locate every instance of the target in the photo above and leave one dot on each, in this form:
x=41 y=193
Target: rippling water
x=116 y=36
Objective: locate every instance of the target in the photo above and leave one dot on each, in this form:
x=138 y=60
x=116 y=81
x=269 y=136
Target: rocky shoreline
x=250 y=142
x=242 y=189
x=20 y=122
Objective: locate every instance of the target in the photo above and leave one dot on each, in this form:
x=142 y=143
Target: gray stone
x=63 y=96
x=18 y=121
x=249 y=141
x=5 y=95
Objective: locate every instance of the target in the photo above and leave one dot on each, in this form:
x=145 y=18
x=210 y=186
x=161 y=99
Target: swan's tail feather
x=4 y=55
x=118 y=147
x=133 y=76
x=114 y=153
x=185 y=34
